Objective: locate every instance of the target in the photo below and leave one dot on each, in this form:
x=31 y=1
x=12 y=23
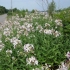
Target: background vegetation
x=3 y=10
x=28 y=27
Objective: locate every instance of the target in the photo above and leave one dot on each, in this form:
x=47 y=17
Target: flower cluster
x=15 y=41
x=21 y=32
x=56 y=33
x=28 y=48
x=48 y=31
x=26 y=28
x=40 y=28
x=68 y=55
x=47 y=25
x=52 y=32
x=32 y=61
x=62 y=67
x=6 y=32
x=58 y=22
x=8 y=52
x=1 y=45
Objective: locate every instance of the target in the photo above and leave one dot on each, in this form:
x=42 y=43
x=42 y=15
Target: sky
x=33 y=4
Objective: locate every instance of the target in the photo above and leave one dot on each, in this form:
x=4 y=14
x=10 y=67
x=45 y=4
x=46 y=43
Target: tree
x=3 y=10
x=51 y=8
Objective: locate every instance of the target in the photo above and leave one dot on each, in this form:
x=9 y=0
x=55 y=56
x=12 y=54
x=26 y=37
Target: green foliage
x=15 y=10
x=65 y=17
x=51 y=8
x=12 y=11
x=21 y=13
x=9 y=13
x=33 y=11
x=3 y=10
x=47 y=48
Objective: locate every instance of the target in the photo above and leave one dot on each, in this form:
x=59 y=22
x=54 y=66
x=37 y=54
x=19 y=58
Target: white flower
x=13 y=58
x=56 y=33
x=68 y=55
x=28 y=47
x=16 y=23
x=48 y=31
x=15 y=41
x=27 y=27
x=36 y=23
x=8 y=51
x=63 y=67
x=36 y=69
x=6 y=32
x=58 y=22
x=1 y=45
x=26 y=33
x=47 y=25
x=32 y=61
x=40 y=28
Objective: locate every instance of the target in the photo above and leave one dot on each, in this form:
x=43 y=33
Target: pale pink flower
x=32 y=61
x=68 y=55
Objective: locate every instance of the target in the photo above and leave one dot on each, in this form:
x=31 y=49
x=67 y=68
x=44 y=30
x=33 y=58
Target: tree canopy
x=3 y=10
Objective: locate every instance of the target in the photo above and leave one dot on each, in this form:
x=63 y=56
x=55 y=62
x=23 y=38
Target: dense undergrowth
x=35 y=41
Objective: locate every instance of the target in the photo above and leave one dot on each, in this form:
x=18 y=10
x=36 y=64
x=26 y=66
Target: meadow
x=35 y=41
